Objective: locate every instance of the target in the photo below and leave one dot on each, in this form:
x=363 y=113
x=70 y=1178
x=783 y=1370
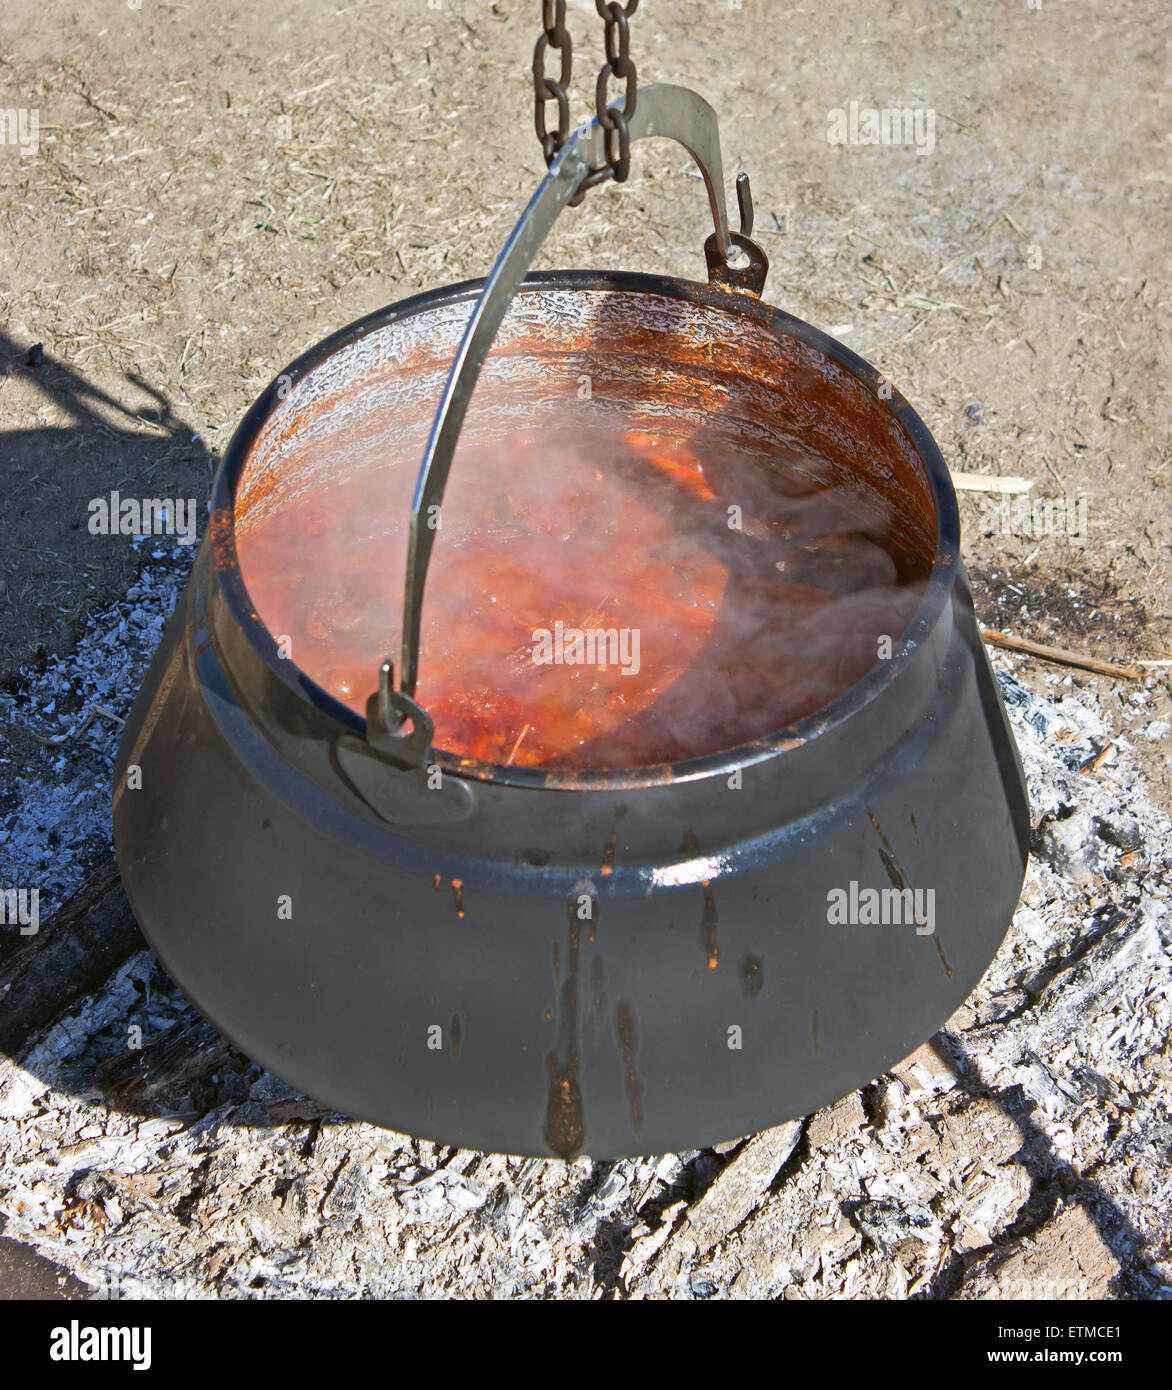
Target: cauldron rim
x=945 y=565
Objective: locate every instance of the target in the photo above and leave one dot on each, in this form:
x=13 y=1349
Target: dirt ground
x=217 y=186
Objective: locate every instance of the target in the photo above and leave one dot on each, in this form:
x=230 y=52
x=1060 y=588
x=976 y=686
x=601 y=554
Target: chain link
x=556 y=36
x=619 y=65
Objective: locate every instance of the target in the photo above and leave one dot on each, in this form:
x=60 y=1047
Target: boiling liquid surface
x=734 y=594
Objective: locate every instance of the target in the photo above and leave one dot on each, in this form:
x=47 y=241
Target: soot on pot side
x=596 y=599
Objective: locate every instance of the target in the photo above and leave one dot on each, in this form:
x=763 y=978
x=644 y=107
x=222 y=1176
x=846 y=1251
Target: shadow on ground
x=53 y=571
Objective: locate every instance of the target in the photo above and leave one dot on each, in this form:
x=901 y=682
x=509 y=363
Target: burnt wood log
x=70 y=956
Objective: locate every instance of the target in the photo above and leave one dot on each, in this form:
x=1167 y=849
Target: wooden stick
x=1096 y=760
x=990 y=482
x=520 y=736
x=1060 y=655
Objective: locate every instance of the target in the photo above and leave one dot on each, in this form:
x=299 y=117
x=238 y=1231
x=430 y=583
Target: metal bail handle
x=674 y=113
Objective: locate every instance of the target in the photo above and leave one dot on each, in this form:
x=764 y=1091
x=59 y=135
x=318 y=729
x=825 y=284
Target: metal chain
x=619 y=64
x=556 y=36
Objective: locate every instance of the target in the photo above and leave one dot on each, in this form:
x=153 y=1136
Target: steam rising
x=759 y=589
